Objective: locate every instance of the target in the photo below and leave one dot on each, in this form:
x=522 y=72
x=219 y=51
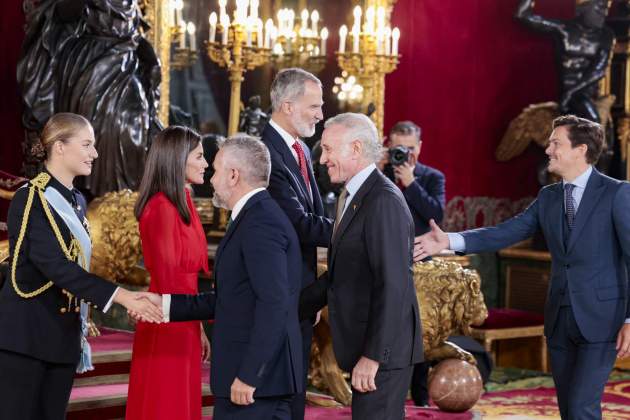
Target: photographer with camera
x=421 y=185
x=423 y=189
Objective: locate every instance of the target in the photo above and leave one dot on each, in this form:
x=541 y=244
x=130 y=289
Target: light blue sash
x=67 y=213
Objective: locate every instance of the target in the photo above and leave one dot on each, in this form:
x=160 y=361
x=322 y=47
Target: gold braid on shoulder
x=73 y=252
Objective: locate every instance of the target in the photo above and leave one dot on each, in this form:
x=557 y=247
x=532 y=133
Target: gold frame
x=159 y=35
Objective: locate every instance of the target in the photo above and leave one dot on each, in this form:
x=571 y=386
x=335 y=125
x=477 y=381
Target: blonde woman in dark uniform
x=44 y=300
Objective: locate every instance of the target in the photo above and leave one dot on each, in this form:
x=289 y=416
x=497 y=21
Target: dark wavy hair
x=583 y=131
x=165 y=169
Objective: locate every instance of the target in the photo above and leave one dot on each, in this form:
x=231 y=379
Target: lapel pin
x=354 y=207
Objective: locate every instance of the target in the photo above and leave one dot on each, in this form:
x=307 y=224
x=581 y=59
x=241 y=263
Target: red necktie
x=302 y=162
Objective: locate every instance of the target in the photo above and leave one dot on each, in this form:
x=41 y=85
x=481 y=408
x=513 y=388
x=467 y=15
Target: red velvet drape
x=11 y=36
x=467 y=69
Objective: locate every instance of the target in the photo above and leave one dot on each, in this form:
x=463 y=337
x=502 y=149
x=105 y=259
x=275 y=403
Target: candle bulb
x=213 y=26
x=324 y=36
x=248 y=30
x=380 y=17
x=395 y=38
x=225 y=24
x=222 y=12
x=357 y=16
x=304 y=23
x=191 y=33
x=369 y=20
x=355 y=39
x=182 y=35
x=253 y=9
x=314 y=20
x=379 y=41
x=171 y=15
x=268 y=29
x=259 y=32
x=387 y=40
x=291 y=23
x=343 y=33
x=178 y=17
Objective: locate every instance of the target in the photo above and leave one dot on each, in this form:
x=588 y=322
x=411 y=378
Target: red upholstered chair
x=506 y=323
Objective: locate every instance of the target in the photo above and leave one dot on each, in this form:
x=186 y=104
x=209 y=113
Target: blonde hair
x=60 y=127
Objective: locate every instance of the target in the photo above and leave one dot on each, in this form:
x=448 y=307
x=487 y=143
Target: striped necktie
x=569 y=204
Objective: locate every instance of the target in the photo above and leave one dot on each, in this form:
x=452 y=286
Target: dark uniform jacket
x=36 y=326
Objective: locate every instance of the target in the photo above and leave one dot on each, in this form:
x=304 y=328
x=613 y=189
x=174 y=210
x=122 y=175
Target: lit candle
x=273 y=34
x=191 y=33
x=225 y=23
x=369 y=20
x=357 y=16
x=380 y=17
x=379 y=41
x=355 y=39
x=304 y=23
x=222 y=12
x=343 y=33
x=182 y=35
x=314 y=20
x=253 y=9
x=291 y=23
x=268 y=29
x=213 y=26
x=395 y=38
x=249 y=28
x=259 y=32
x=171 y=15
x=324 y=36
x=178 y=9
x=387 y=40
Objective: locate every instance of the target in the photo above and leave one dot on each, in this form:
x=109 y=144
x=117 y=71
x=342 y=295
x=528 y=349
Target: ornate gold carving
x=471 y=212
x=156 y=15
x=116 y=246
x=4 y=250
x=450 y=300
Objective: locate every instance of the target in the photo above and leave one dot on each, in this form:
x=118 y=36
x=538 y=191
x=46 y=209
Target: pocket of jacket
x=608 y=293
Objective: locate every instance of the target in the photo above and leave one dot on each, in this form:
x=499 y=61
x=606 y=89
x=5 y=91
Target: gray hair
x=250 y=156
x=360 y=127
x=288 y=85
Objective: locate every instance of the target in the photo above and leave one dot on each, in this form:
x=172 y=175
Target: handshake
x=141 y=306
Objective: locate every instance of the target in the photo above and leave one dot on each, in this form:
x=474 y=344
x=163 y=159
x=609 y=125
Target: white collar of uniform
x=288 y=138
x=356 y=181
x=242 y=201
x=582 y=179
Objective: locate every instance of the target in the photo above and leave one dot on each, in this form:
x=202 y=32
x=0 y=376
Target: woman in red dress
x=165 y=379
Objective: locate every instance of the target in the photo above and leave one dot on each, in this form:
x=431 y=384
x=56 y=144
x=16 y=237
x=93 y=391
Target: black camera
x=398 y=155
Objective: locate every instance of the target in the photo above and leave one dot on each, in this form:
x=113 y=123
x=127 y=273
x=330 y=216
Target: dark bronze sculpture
x=253 y=118
x=89 y=57
x=583 y=47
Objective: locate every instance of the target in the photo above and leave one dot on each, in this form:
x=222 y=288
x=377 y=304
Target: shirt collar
x=582 y=179
x=242 y=201
x=356 y=181
x=288 y=138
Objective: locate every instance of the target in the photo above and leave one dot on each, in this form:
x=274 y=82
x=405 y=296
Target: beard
x=219 y=201
x=303 y=129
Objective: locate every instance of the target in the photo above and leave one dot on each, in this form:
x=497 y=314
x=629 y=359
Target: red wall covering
x=467 y=69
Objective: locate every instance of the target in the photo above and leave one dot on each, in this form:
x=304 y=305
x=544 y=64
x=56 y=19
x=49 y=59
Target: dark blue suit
x=426 y=197
x=287 y=187
x=587 y=300
x=256 y=335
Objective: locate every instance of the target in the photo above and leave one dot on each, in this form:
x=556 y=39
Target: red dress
x=165 y=379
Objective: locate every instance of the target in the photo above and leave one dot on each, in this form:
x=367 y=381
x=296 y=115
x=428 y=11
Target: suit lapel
x=593 y=191
x=351 y=211
x=289 y=161
x=234 y=225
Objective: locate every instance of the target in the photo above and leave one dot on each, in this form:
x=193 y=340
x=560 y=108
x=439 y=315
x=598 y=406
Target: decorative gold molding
x=159 y=34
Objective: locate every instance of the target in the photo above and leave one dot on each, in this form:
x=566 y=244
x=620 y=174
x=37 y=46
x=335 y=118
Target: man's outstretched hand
x=431 y=243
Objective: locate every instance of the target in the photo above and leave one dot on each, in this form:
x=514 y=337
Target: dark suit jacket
x=370 y=293
x=35 y=326
x=426 y=197
x=256 y=335
x=592 y=268
x=287 y=187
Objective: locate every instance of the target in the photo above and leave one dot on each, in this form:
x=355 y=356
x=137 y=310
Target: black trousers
x=298 y=404
x=262 y=409
x=32 y=389
x=388 y=401
x=580 y=369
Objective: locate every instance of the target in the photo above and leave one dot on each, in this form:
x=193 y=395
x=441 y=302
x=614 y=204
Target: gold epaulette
x=72 y=252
